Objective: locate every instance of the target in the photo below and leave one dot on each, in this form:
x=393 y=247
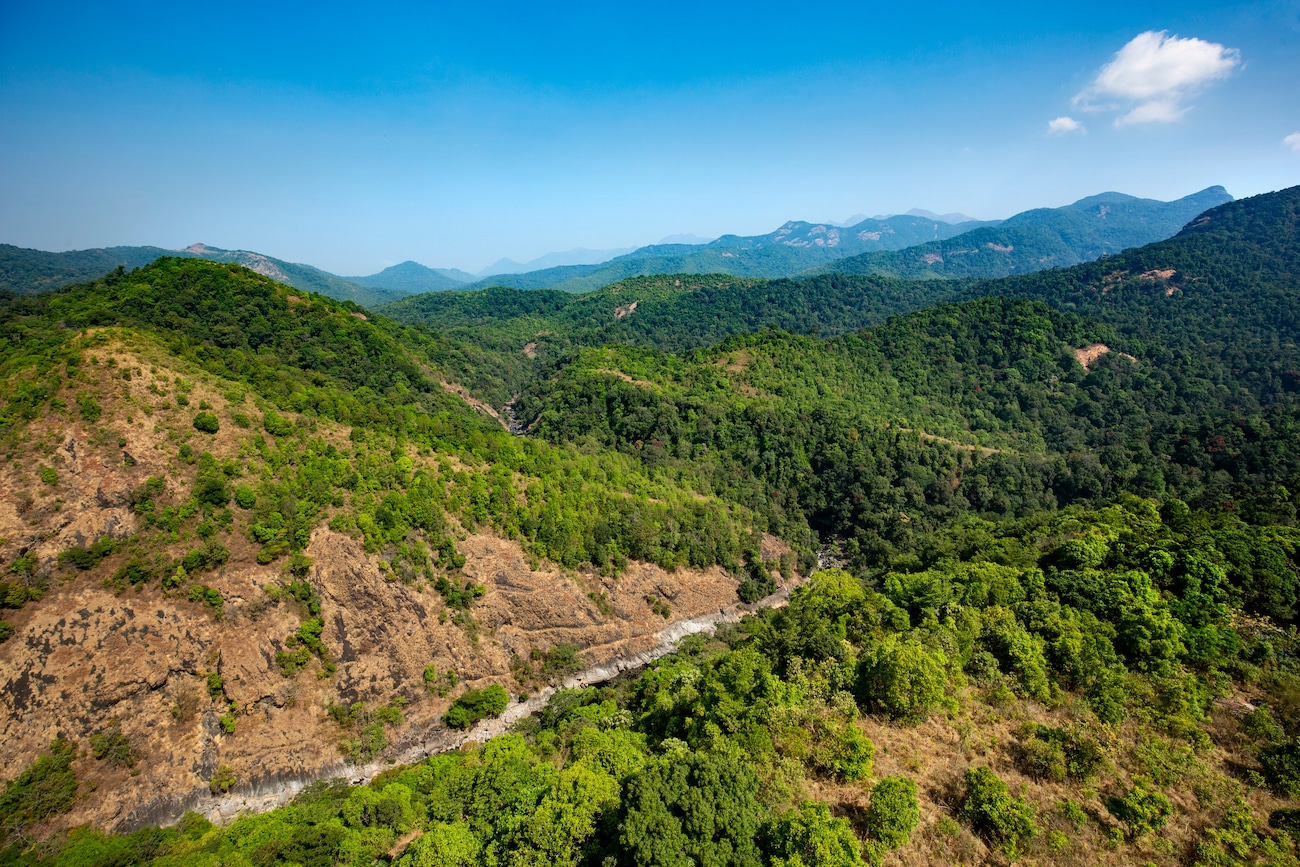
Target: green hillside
x=1054 y=555
x=309 y=354
x=409 y=278
x=1041 y=239
x=672 y=313
x=23 y=271
x=910 y=247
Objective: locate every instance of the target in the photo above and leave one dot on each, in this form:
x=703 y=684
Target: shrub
x=475 y=705
x=209 y=596
x=223 y=779
x=1057 y=754
x=370 y=741
x=754 y=589
x=49 y=476
x=276 y=425
x=1282 y=767
x=45 y=787
x=1144 y=809
x=136 y=571
x=88 y=407
x=439 y=682
x=113 y=747
x=1260 y=726
x=901 y=678
x=245 y=497
x=6 y=630
x=842 y=750
x=1042 y=760
x=88 y=557
x=808 y=836
x=207 y=423
x=562 y=659
x=893 y=813
x=993 y=813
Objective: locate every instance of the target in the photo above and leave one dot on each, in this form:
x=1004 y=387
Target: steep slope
x=228 y=507
x=1168 y=369
x=1043 y=238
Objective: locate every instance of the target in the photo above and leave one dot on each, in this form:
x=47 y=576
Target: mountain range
x=912 y=246
x=1040 y=239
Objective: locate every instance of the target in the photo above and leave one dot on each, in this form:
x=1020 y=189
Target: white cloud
x=1154 y=74
x=1155 y=111
x=1293 y=141
x=1065 y=126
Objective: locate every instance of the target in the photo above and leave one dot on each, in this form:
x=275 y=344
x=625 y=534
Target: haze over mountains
x=917 y=245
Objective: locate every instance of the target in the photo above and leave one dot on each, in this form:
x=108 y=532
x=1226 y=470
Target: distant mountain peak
x=952 y=219
x=687 y=238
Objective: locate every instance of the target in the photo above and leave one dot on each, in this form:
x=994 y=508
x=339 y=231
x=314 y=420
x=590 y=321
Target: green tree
x=475 y=705
x=990 y=809
x=902 y=678
x=1144 y=809
x=44 y=788
x=691 y=810
x=443 y=845
x=558 y=833
x=207 y=423
x=811 y=837
x=894 y=812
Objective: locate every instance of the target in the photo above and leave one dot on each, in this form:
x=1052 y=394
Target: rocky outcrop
x=175 y=674
x=86 y=658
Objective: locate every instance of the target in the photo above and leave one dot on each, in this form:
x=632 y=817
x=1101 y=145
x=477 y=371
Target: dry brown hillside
x=188 y=674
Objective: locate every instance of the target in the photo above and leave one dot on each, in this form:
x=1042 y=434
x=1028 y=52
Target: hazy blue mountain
x=576 y=256
x=24 y=270
x=794 y=247
x=953 y=218
x=685 y=238
x=412 y=277
x=1041 y=238
x=891 y=233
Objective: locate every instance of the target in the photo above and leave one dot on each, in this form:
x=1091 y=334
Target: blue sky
x=355 y=136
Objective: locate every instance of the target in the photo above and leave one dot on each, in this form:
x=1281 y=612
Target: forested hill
x=909 y=247
x=1221 y=292
x=23 y=270
x=1060 y=626
x=1041 y=239
x=1172 y=368
x=525 y=331
x=411 y=277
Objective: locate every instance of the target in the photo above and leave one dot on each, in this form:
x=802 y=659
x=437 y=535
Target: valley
x=904 y=566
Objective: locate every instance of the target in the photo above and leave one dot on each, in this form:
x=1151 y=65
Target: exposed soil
x=1088 y=355
x=85 y=656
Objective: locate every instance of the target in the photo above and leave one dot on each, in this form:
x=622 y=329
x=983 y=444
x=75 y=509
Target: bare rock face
x=85 y=658
x=176 y=675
